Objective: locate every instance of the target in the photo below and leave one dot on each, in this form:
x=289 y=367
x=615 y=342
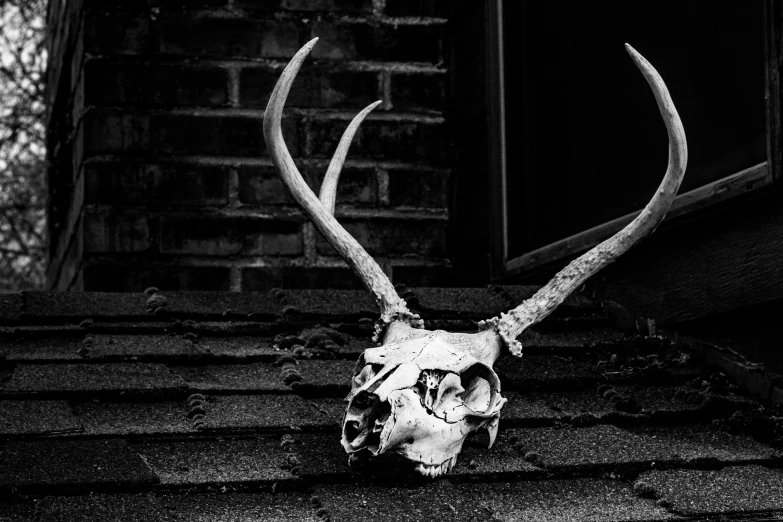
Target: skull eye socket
x=478 y=392
x=481 y=388
x=365 y=375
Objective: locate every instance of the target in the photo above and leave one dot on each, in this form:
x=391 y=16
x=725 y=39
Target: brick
x=115 y=232
x=109 y=131
x=227 y=37
x=731 y=490
x=72 y=465
x=124 y=277
x=378 y=139
x=394 y=237
x=128 y=183
x=172 y=34
x=313 y=88
x=298 y=277
x=340 y=6
x=361 y=41
x=229 y=235
x=113 y=33
x=125 y=378
x=216 y=460
x=418 y=92
x=224 y=135
x=417 y=8
x=262 y=185
x=357 y=186
x=112 y=131
x=150 y=84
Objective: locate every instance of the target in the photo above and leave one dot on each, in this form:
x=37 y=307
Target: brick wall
x=160 y=175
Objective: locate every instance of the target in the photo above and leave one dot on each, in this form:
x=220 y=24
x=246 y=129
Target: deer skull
x=421 y=393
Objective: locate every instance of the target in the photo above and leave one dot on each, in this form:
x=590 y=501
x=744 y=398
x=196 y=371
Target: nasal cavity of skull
x=370 y=414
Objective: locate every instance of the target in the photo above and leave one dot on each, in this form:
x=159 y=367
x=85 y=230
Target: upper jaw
x=436 y=470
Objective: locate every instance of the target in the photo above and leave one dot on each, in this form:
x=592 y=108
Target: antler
x=329 y=185
x=393 y=308
x=551 y=295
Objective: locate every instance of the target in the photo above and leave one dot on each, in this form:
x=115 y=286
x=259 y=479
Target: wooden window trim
x=692 y=204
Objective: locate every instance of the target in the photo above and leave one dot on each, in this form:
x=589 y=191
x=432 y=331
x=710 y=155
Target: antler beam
x=393 y=307
x=565 y=282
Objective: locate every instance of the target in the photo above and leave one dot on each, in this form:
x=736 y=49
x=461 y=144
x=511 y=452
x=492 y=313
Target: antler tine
x=329 y=186
x=393 y=308
x=551 y=295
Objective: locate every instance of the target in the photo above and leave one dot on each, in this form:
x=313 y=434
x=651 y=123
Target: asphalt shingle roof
x=225 y=406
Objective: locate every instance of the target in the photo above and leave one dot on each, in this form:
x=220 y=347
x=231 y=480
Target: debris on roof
x=221 y=406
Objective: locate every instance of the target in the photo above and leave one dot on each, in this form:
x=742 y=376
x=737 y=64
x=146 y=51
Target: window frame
x=694 y=204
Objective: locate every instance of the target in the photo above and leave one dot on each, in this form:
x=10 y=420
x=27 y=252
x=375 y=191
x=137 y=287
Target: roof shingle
x=220 y=406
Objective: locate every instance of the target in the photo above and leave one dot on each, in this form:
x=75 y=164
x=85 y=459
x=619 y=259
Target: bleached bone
x=421 y=393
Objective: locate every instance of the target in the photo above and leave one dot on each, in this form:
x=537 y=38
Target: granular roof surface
x=224 y=406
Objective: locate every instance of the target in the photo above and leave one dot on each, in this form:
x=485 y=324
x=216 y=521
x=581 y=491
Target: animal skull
x=421 y=393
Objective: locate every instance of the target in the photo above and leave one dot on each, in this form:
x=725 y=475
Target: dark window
x=584 y=141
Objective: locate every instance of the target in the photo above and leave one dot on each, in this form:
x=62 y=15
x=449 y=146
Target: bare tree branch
x=22 y=145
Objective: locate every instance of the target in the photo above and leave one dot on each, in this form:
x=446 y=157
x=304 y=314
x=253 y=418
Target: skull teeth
x=435 y=470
